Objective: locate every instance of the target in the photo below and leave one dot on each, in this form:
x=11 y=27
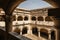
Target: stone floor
x=33 y=37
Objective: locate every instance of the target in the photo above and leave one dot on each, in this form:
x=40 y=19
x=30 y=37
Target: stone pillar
x=29 y=30
x=29 y=18
x=49 y=35
x=8 y=23
x=21 y=30
x=39 y=34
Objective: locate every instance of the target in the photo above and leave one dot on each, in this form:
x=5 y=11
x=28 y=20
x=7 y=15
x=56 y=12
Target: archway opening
x=25 y=18
x=44 y=33
x=35 y=31
x=40 y=18
x=48 y=18
x=24 y=31
x=33 y=18
x=20 y=18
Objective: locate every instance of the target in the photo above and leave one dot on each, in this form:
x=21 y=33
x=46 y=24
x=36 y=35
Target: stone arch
x=44 y=33
x=12 y=4
x=20 y=18
x=35 y=31
x=40 y=18
x=33 y=18
x=26 y=18
x=24 y=30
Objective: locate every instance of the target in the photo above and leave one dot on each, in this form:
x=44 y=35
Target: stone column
x=49 y=35
x=29 y=18
x=39 y=34
x=8 y=23
x=21 y=30
x=29 y=30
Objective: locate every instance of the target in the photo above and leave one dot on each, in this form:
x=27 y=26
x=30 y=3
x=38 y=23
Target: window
x=20 y=18
x=33 y=18
x=40 y=18
x=25 y=18
x=48 y=18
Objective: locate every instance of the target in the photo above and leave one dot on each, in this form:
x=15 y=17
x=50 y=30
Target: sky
x=34 y=4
